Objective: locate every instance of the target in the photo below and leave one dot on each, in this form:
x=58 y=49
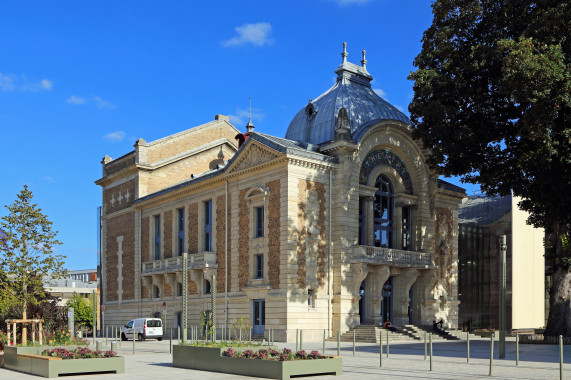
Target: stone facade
x=354 y=231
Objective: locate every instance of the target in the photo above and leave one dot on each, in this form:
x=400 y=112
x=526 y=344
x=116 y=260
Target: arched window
x=156 y=292
x=383 y=213
x=179 y=289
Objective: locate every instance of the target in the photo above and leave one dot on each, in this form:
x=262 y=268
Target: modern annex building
x=340 y=223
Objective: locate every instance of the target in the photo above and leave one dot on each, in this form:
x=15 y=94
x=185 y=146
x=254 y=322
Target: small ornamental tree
x=492 y=103
x=26 y=254
x=82 y=311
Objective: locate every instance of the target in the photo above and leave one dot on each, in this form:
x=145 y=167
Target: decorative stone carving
x=254 y=156
x=385 y=157
x=342 y=126
x=360 y=272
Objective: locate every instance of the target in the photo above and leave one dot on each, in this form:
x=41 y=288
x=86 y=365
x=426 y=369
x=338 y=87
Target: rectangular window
x=180 y=231
x=157 y=237
x=208 y=226
x=310 y=299
x=207 y=285
x=259 y=222
x=406 y=228
x=259 y=266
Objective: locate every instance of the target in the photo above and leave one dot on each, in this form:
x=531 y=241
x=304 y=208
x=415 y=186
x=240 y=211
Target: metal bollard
x=119 y=335
x=467 y=347
x=170 y=341
x=387 y=343
x=301 y=339
x=250 y=336
x=353 y=342
x=381 y=349
x=106 y=334
x=339 y=343
x=323 y=341
x=560 y=357
x=491 y=353
x=296 y=340
x=516 y=348
x=430 y=342
x=113 y=346
x=133 y=342
x=178 y=335
x=425 y=345
x=98 y=345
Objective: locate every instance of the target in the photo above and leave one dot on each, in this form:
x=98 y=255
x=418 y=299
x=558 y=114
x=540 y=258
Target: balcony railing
x=174 y=264
x=390 y=256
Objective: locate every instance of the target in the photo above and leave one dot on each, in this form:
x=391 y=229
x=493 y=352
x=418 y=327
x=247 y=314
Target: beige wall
x=528 y=272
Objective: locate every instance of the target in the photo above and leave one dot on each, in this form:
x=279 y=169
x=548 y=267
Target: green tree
x=26 y=247
x=83 y=312
x=492 y=104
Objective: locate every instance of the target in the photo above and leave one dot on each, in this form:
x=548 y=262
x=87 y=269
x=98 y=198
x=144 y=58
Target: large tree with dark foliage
x=492 y=104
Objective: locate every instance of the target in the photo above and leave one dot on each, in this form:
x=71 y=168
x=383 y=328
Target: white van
x=143 y=328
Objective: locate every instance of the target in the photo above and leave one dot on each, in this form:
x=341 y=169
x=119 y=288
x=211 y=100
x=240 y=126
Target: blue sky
x=82 y=79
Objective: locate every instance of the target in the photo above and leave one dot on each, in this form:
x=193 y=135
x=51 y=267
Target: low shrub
x=271 y=354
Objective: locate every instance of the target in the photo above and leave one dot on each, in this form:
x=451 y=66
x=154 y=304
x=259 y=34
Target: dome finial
x=364 y=61
x=250 y=125
x=344 y=54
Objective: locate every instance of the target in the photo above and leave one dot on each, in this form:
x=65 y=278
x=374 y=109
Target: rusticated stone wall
x=193 y=228
x=167 y=233
x=304 y=186
x=221 y=242
x=243 y=240
x=443 y=240
x=274 y=233
x=122 y=225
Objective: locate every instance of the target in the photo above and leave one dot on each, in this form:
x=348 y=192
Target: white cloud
x=380 y=92
x=48 y=178
x=256 y=34
x=116 y=136
x=76 y=100
x=240 y=118
x=10 y=82
x=103 y=103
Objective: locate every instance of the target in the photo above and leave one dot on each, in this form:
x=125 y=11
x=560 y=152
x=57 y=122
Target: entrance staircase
x=411 y=333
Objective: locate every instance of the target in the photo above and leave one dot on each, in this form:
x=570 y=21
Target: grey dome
x=315 y=123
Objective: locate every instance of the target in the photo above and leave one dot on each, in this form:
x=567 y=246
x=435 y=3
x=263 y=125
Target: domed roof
x=315 y=123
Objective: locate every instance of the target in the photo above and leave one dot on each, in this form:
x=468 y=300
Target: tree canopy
x=491 y=103
x=26 y=253
x=492 y=99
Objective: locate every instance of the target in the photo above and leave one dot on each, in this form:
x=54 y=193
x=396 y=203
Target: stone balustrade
x=393 y=257
x=174 y=264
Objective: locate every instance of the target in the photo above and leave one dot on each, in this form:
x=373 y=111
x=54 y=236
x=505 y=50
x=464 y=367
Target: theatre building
x=340 y=222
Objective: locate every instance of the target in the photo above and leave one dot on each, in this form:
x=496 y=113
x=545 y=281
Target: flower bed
x=251 y=361
x=52 y=362
x=78 y=353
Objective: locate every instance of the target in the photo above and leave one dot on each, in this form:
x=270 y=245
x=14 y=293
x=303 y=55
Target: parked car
x=143 y=328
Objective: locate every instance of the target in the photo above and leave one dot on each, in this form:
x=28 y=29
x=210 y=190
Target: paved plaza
x=406 y=361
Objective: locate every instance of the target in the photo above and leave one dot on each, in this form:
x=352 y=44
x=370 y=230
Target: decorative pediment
x=253 y=156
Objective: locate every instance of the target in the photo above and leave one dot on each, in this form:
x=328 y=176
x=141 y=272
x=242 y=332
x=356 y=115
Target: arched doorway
x=387 y=303
x=362 y=303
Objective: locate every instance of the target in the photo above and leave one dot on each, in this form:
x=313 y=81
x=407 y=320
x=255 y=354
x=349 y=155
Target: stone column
x=381 y=274
x=397 y=226
x=368 y=222
x=401 y=287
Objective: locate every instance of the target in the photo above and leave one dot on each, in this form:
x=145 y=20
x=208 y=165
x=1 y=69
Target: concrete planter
x=211 y=359
x=22 y=359
x=486 y=334
x=283 y=370
x=11 y=353
x=203 y=358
